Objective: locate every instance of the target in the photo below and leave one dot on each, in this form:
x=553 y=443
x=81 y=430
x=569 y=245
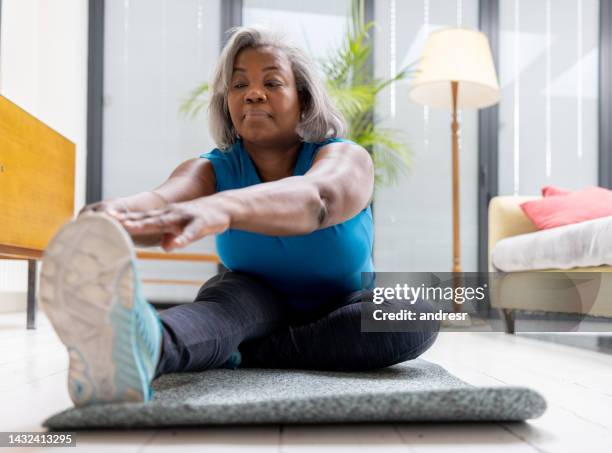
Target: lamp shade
x=461 y=55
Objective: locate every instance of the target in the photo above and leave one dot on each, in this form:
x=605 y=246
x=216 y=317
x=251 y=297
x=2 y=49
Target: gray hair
x=319 y=120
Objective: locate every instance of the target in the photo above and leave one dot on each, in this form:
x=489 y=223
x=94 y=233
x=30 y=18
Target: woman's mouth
x=257 y=114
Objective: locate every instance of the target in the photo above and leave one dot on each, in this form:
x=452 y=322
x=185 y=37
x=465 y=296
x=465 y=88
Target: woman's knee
x=237 y=287
x=372 y=350
x=409 y=338
x=223 y=282
x=398 y=347
x=415 y=344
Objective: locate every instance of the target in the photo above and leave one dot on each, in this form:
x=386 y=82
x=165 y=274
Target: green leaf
x=193 y=105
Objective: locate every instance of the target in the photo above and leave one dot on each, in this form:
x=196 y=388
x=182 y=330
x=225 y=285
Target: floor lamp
x=456 y=71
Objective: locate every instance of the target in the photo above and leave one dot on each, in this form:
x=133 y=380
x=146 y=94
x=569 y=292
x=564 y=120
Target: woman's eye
x=270 y=84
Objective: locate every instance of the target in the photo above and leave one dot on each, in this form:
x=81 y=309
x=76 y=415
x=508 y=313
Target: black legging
x=238 y=311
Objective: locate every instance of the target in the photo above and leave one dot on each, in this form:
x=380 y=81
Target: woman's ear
x=302 y=97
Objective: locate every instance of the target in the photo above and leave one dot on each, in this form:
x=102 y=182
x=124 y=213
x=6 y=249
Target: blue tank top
x=309 y=270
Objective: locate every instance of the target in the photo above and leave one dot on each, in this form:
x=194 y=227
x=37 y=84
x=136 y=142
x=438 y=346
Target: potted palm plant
x=354 y=90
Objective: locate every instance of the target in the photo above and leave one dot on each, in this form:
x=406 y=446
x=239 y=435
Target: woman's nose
x=255 y=95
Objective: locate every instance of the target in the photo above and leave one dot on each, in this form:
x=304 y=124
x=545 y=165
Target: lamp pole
x=455 y=161
x=454 y=55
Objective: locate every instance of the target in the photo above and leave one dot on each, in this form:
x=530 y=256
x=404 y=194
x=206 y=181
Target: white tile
x=451 y=437
x=26 y=406
x=577 y=417
x=216 y=439
x=341 y=438
x=562 y=431
x=576 y=383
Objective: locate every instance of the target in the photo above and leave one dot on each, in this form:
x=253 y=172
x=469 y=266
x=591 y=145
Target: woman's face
x=263 y=100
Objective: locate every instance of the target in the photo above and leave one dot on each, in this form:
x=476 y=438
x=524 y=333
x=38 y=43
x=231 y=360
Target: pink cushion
x=548 y=191
x=554 y=211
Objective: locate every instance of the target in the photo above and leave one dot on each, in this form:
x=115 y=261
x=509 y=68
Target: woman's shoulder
x=313 y=147
x=310 y=151
x=226 y=165
x=222 y=154
x=332 y=140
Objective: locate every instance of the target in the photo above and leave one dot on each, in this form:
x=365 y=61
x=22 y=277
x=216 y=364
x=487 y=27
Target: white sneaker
x=90 y=291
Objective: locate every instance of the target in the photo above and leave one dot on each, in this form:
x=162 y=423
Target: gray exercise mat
x=416 y=390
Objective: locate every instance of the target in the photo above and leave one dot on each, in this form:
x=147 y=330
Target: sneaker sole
x=87 y=290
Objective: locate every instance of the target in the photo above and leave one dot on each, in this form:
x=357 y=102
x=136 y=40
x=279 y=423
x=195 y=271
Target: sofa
x=512 y=291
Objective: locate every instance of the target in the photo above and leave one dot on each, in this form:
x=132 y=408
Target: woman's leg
x=230 y=308
x=335 y=341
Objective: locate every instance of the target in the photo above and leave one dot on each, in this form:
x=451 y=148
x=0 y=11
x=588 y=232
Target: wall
x=43 y=69
x=548 y=74
x=155 y=53
x=414 y=218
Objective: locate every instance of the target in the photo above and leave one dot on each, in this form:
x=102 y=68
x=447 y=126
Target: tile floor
x=577 y=384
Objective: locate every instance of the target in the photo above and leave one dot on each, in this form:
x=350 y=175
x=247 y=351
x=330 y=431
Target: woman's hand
x=180 y=223
x=116 y=208
x=111 y=207
x=141 y=202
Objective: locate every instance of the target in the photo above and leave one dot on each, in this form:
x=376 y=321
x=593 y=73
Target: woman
x=289 y=202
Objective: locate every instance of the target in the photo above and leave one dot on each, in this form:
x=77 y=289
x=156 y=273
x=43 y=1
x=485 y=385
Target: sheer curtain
x=156 y=52
x=414 y=218
x=317 y=26
x=548 y=112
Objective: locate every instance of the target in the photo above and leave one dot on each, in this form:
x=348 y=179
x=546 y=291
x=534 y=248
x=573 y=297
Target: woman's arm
x=192 y=179
x=339 y=184
x=289 y=206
